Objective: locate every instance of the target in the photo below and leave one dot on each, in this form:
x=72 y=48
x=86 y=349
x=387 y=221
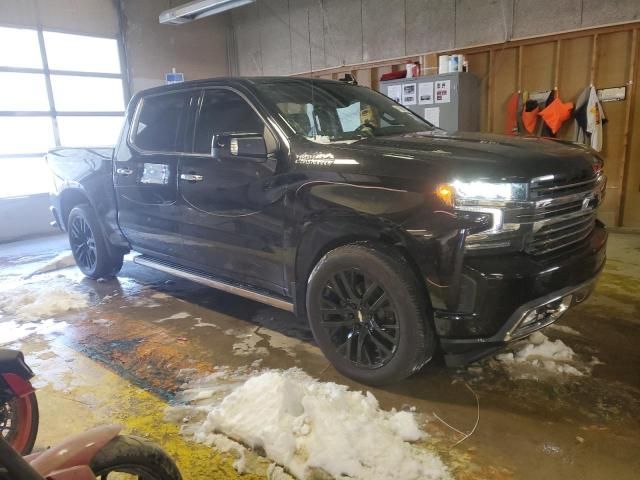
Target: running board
x=211 y=282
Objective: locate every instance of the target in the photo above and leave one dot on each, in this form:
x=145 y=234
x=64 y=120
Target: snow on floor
x=304 y=425
x=175 y=316
x=538 y=354
x=42 y=298
x=247 y=341
x=12 y=331
x=62 y=260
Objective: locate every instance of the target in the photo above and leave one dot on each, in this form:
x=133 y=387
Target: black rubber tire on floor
x=106 y=265
x=417 y=342
x=126 y=453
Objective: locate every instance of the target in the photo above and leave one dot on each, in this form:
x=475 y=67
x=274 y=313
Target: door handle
x=191 y=177
x=124 y=171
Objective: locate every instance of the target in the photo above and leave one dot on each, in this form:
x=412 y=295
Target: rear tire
x=89 y=246
x=368 y=313
x=135 y=456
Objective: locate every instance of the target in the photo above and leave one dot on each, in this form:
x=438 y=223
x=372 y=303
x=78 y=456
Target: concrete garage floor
x=124 y=357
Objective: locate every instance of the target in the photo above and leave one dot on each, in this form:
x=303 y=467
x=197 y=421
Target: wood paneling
x=574 y=75
x=612 y=71
x=538 y=62
x=631 y=205
x=479 y=66
x=503 y=82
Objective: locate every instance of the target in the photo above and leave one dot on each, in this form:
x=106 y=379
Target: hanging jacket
x=544 y=130
x=595 y=119
x=530 y=116
x=580 y=117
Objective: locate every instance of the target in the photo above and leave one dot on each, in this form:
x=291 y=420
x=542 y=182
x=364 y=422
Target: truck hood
x=473 y=155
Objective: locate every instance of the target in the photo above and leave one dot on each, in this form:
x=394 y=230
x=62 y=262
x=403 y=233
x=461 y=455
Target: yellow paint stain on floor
x=76 y=393
x=141 y=413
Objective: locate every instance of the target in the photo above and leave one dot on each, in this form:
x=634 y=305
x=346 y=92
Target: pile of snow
x=539 y=352
x=303 y=425
x=42 y=299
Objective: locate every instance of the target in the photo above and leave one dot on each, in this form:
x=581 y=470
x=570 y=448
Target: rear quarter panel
x=85 y=175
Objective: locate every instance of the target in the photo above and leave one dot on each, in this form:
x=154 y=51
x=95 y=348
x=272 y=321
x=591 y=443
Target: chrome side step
x=217 y=284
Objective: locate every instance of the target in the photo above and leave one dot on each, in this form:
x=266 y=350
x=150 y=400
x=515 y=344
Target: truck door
x=232 y=221
x=146 y=173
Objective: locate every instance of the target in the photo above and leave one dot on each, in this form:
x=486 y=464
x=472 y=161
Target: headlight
x=485 y=197
x=480 y=191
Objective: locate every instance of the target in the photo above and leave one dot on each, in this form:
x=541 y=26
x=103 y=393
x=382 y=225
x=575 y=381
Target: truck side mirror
x=247 y=145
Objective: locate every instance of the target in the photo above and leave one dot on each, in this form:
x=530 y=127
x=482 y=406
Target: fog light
x=549 y=312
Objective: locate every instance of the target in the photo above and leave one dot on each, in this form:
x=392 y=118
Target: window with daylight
x=56 y=89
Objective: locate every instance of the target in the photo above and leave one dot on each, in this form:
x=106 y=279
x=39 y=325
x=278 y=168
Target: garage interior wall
x=198 y=50
x=372 y=44
x=280 y=37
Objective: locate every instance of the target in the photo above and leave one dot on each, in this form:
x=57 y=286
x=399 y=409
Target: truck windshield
x=335 y=112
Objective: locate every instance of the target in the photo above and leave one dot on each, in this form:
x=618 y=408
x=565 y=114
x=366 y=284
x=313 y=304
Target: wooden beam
x=490 y=91
x=594 y=60
x=556 y=68
x=519 y=79
x=626 y=149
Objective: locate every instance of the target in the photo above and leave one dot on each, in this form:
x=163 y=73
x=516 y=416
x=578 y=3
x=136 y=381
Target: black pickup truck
x=395 y=240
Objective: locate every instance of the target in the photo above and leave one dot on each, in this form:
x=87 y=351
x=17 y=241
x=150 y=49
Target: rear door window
x=160 y=126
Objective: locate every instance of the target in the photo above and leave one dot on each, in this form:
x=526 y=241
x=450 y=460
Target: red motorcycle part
x=24 y=406
x=76 y=450
x=18 y=385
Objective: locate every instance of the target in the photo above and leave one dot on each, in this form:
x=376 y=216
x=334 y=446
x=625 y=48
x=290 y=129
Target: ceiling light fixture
x=199 y=9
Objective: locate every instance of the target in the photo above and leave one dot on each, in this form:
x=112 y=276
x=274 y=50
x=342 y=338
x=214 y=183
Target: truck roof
x=244 y=81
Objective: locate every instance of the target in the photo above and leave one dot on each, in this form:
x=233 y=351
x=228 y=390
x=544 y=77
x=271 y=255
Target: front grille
x=556 y=235
x=553 y=187
x=550 y=211
x=564 y=213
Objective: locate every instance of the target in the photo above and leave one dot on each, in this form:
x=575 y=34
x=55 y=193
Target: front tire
x=89 y=246
x=368 y=313
x=134 y=456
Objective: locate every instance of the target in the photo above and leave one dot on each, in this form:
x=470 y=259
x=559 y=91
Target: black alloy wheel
x=89 y=244
x=360 y=319
x=369 y=313
x=83 y=243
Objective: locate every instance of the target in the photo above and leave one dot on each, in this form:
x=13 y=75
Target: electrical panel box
x=450 y=101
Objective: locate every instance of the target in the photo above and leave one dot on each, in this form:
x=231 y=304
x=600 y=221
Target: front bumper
x=506 y=298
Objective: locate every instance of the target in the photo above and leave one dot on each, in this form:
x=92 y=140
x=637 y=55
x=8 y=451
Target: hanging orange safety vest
x=511 y=120
x=556 y=113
